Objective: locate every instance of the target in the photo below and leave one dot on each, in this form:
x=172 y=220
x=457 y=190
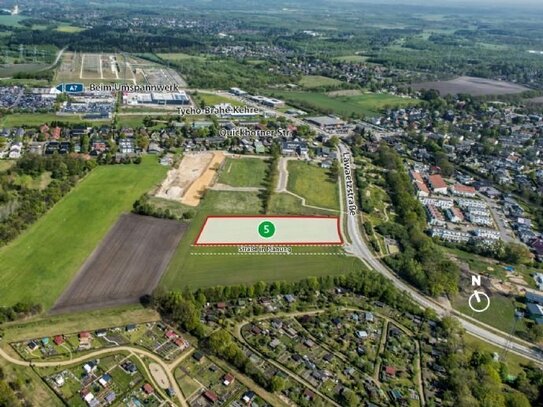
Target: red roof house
x=55 y=133
x=391 y=371
x=211 y=396
x=228 y=379
x=171 y=334
x=148 y=389
x=463 y=190
x=437 y=183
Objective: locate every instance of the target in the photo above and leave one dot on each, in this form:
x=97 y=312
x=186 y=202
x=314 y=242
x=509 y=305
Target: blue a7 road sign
x=71 y=87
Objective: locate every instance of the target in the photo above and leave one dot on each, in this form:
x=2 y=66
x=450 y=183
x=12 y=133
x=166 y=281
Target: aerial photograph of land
x=281 y=203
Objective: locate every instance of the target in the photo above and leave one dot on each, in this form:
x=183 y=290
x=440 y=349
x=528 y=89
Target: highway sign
x=71 y=87
x=74 y=87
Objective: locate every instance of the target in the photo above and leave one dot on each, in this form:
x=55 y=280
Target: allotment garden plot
x=128 y=264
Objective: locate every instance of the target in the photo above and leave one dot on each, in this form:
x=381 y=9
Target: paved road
x=59 y=55
x=360 y=249
x=505 y=232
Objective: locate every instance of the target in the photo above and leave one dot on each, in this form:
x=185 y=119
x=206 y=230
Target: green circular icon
x=266 y=229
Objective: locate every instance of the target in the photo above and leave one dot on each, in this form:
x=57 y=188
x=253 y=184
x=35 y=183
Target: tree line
x=272 y=173
x=421 y=261
x=25 y=203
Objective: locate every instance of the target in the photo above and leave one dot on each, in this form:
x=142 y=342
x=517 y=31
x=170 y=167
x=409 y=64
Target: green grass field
x=37 y=119
x=189 y=270
x=11 y=21
x=286 y=204
x=211 y=99
x=187 y=384
x=179 y=56
x=243 y=172
x=6 y=165
x=369 y=104
x=317 y=81
x=314 y=184
x=478 y=264
x=39 y=27
x=514 y=362
x=39 y=264
x=136 y=120
x=352 y=58
x=34 y=390
x=9 y=70
x=47 y=325
x=24 y=82
x=70 y=29
x=177 y=208
x=500 y=314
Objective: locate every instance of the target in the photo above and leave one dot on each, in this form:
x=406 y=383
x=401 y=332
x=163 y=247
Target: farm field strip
x=127 y=265
x=65 y=236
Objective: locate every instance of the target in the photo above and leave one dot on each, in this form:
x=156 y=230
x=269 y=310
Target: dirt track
x=194 y=192
x=128 y=264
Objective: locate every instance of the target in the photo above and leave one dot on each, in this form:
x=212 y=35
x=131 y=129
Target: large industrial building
x=155 y=98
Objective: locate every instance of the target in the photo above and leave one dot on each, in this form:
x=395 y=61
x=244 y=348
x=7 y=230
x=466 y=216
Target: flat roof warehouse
x=160 y=98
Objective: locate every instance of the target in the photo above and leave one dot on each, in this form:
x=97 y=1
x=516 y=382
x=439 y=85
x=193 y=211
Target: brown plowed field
x=471 y=86
x=127 y=265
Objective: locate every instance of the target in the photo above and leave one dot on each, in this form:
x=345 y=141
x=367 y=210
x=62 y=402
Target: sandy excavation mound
x=195 y=173
x=177 y=181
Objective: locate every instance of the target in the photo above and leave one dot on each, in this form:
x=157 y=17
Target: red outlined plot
x=239 y=230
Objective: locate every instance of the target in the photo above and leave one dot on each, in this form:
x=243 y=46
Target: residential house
x=463 y=190
x=292 y=148
x=437 y=184
x=421 y=188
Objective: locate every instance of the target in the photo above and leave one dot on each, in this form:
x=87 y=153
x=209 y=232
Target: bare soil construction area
x=472 y=86
x=126 y=265
x=195 y=174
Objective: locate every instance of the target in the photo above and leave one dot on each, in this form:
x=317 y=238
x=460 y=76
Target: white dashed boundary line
x=265 y=254
x=265 y=245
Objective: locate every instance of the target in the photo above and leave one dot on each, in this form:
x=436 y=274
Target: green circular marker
x=266 y=229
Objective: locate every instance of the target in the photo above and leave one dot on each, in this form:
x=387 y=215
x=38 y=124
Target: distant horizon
x=454 y=2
